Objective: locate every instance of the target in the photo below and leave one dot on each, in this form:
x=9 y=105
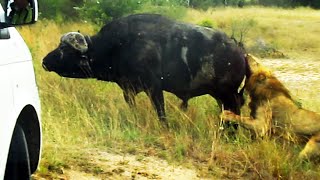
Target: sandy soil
x=303 y=72
x=124 y=166
x=301 y=77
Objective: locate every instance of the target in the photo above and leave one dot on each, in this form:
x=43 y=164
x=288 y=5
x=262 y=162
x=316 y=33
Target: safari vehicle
x=20 y=128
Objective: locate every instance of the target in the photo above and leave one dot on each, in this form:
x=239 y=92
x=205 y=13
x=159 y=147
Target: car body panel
x=18 y=87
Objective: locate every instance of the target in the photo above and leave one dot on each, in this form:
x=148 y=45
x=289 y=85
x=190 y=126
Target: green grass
x=81 y=114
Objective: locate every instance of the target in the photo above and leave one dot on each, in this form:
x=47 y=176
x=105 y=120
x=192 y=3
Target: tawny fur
x=274 y=111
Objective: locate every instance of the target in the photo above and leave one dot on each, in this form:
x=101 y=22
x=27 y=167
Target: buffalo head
x=70 y=58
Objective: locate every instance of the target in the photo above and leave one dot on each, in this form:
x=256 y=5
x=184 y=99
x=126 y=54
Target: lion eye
x=261 y=77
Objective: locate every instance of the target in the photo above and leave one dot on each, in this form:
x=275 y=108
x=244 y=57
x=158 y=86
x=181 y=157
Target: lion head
x=262 y=84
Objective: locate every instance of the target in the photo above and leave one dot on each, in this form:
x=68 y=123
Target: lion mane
x=274 y=110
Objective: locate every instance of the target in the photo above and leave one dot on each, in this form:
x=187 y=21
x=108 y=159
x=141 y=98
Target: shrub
x=240 y=29
x=264 y=49
x=207 y=23
x=59 y=9
x=172 y=11
x=100 y=12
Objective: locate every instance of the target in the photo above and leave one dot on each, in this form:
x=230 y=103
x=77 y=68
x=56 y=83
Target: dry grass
x=295 y=32
x=81 y=114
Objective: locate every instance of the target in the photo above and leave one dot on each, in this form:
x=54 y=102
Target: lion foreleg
x=259 y=126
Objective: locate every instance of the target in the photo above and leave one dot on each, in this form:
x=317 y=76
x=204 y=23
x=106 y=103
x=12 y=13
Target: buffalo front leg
x=231 y=102
x=157 y=99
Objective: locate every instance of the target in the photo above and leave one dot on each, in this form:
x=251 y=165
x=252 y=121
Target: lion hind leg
x=312 y=148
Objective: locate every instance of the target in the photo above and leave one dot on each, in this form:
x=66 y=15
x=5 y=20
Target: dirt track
x=109 y=165
x=295 y=71
x=301 y=77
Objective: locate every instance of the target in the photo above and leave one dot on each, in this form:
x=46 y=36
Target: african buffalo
x=151 y=53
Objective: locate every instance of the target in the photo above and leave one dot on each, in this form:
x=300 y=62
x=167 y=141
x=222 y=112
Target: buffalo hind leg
x=129 y=97
x=185 y=98
x=184 y=105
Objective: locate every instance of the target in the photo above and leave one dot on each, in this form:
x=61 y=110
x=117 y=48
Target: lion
x=273 y=111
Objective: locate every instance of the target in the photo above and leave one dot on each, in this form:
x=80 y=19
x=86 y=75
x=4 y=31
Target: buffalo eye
x=67 y=49
x=80 y=41
x=63 y=47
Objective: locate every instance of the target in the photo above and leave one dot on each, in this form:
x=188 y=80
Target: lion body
x=273 y=111
x=301 y=121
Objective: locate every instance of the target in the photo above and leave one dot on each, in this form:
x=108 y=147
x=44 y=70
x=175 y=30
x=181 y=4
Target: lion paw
x=228 y=116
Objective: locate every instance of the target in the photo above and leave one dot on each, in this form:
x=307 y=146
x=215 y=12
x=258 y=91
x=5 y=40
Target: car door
x=6 y=95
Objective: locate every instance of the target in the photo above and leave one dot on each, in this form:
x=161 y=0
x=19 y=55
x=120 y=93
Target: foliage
x=279 y=3
x=240 y=29
x=261 y=48
x=207 y=23
x=205 y=4
x=59 y=9
x=100 y=11
x=174 y=12
x=311 y=3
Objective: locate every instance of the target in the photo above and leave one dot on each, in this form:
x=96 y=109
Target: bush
x=266 y=50
x=100 y=12
x=240 y=29
x=280 y=3
x=172 y=11
x=59 y=9
x=207 y=23
x=205 y=4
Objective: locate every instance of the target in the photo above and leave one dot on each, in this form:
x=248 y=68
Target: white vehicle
x=20 y=128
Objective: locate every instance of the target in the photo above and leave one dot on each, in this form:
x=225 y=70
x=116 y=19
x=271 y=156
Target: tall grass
x=81 y=114
x=295 y=32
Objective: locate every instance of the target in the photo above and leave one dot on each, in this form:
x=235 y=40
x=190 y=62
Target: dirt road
x=301 y=77
x=303 y=72
x=107 y=165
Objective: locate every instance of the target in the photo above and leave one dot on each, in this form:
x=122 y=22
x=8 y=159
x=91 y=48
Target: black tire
x=18 y=163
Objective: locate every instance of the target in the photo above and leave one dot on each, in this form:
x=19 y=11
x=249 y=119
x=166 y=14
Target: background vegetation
x=79 y=115
x=100 y=11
